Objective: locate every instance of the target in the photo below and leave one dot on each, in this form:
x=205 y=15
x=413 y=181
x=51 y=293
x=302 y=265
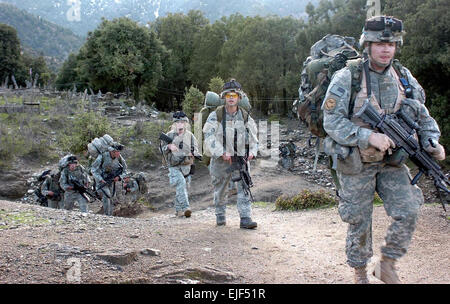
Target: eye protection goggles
x=231 y=95
x=384 y=24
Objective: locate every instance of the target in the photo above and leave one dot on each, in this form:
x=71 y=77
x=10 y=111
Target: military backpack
x=213 y=102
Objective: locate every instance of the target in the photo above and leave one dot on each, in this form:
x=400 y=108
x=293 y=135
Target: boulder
x=13 y=185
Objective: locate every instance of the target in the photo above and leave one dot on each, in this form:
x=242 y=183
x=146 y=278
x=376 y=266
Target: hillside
x=41 y=37
x=92 y=11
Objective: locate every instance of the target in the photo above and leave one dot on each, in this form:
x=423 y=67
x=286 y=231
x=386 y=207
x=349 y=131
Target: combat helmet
x=231 y=86
x=382 y=29
x=179 y=116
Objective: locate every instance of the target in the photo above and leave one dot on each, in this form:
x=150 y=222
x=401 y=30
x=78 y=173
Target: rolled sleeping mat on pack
x=213 y=100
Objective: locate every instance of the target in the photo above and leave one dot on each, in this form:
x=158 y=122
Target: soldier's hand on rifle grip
x=226 y=157
x=438 y=152
x=50 y=193
x=117 y=178
x=251 y=156
x=380 y=141
x=172 y=147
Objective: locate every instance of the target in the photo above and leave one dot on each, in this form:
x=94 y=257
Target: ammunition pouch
x=371 y=155
x=345 y=159
x=398 y=158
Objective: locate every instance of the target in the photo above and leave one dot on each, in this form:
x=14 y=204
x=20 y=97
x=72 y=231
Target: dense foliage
x=14 y=62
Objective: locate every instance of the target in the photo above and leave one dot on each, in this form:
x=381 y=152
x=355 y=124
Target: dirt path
x=38 y=245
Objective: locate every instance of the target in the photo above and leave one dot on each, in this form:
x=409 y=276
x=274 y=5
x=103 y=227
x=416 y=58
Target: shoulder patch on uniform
x=337 y=90
x=330 y=104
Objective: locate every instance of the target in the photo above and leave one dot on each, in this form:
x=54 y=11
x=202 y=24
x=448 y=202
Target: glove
x=435 y=149
x=380 y=141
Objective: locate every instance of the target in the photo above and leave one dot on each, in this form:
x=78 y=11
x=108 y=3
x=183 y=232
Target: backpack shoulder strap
x=398 y=68
x=356 y=69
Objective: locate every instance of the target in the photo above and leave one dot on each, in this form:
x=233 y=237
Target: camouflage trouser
x=70 y=197
x=107 y=194
x=401 y=201
x=220 y=180
x=56 y=204
x=181 y=184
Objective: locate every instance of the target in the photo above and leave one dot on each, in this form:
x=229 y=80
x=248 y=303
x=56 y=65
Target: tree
x=216 y=84
x=68 y=75
x=193 y=101
x=9 y=51
x=121 y=54
x=177 y=33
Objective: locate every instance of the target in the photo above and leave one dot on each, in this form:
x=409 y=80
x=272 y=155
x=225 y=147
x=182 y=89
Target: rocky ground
x=151 y=245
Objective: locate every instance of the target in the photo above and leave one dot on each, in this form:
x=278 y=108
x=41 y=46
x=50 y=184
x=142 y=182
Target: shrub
x=82 y=130
x=304 y=200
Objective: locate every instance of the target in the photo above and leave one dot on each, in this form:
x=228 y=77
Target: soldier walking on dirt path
x=370 y=166
x=229 y=133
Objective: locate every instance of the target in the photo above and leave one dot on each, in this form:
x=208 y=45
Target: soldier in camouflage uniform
x=363 y=165
x=50 y=188
x=130 y=186
x=107 y=163
x=180 y=157
x=74 y=172
x=241 y=140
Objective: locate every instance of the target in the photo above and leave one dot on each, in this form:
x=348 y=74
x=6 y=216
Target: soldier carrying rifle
x=108 y=168
x=230 y=136
x=363 y=156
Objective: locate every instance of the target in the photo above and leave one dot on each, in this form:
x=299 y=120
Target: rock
x=12 y=185
x=150 y=252
x=118 y=257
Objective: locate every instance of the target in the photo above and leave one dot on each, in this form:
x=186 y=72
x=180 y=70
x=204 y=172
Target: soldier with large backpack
x=108 y=168
x=73 y=173
x=328 y=55
x=363 y=159
x=230 y=138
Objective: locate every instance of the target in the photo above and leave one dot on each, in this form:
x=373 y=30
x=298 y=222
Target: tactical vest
x=391 y=91
x=221 y=117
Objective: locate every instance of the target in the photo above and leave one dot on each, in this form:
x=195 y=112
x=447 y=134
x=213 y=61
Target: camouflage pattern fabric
x=103 y=165
x=50 y=184
x=177 y=179
x=401 y=201
x=178 y=169
x=70 y=196
x=213 y=133
x=359 y=180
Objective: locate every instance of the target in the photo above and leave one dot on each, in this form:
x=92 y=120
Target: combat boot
x=187 y=212
x=361 y=275
x=247 y=223
x=385 y=271
x=221 y=220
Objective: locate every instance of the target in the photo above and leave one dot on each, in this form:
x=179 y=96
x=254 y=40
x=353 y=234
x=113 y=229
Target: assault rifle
x=109 y=179
x=401 y=129
x=169 y=140
x=240 y=163
x=43 y=200
x=80 y=188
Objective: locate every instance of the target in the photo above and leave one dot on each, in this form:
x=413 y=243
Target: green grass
x=14 y=218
